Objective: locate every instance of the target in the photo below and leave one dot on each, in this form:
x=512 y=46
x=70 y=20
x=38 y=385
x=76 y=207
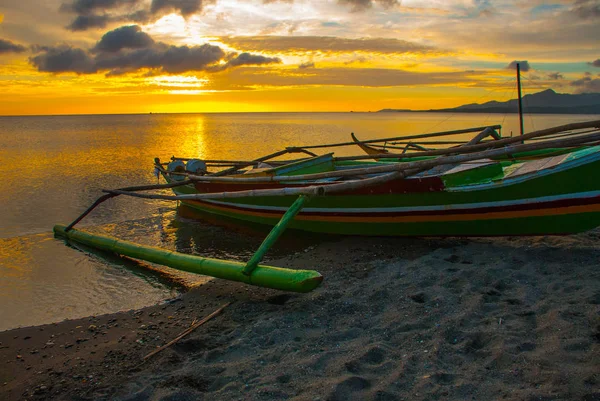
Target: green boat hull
x=564 y=200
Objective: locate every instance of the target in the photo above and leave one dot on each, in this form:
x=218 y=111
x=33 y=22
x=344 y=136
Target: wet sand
x=396 y=319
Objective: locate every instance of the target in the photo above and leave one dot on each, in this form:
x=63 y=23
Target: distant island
x=545 y=102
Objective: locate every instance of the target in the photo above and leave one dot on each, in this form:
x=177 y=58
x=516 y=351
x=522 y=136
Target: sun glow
x=180 y=81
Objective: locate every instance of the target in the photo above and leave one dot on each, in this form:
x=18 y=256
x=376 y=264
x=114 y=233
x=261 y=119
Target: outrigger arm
x=274 y=234
x=250 y=273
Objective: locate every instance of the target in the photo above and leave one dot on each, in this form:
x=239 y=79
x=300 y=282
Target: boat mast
x=520 y=101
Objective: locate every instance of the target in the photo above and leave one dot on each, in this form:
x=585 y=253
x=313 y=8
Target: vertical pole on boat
x=520 y=101
x=274 y=234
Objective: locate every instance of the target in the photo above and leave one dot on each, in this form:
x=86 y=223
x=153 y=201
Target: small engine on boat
x=177 y=166
x=196 y=166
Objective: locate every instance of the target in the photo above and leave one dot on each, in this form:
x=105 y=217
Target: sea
x=56 y=166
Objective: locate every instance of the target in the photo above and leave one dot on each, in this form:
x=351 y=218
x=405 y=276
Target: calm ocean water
x=56 y=166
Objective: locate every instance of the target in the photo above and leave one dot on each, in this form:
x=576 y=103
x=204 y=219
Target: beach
x=412 y=160
x=395 y=319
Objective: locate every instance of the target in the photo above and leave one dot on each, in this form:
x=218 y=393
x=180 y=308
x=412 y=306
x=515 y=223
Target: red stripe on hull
x=400 y=186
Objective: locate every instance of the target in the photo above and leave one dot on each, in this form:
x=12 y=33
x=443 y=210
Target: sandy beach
x=396 y=319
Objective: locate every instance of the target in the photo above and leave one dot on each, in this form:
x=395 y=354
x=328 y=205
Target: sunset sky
x=140 y=56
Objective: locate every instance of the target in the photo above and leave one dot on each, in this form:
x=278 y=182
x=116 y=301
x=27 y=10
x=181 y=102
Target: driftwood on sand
x=193 y=327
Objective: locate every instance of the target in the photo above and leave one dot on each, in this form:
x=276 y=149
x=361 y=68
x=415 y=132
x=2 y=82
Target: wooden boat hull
x=562 y=200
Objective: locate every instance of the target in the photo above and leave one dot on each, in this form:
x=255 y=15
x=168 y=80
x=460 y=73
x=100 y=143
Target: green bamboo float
x=263 y=276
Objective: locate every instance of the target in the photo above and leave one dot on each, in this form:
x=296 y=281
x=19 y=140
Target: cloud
x=365 y=77
x=362 y=5
x=595 y=63
x=244 y=59
x=183 y=7
x=524 y=65
x=326 y=44
x=6 y=46
x=308 y=64
x=164 y=58
x=360 y=59
x=555 y=75
x=125 y=37
x=586 y=84
x=87 y=7
x=64 y=59
x=252 y=59
x=129 y=49
x=98 y=13
x=586 y=9
x=85 y=22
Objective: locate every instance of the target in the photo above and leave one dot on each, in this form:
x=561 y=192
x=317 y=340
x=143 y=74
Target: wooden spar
x=380 y=168
x=414 y=146
x=564 y=134
x=463 y=149
x=187 y=159
x=484 y=134
x=106 y=197
x=398 y=138
x=570 y=142
x=486 y=145
x=420 y=143
x=263 y=276
x=383 y=148
x=261 y=159
x=407 y=168
x=216 y=161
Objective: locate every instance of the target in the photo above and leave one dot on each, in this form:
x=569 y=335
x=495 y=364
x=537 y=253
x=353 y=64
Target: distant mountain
x=547 y=102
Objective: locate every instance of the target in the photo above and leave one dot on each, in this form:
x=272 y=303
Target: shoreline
x=396 y=318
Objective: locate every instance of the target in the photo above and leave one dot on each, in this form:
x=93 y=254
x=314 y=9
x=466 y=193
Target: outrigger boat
x=478 y=189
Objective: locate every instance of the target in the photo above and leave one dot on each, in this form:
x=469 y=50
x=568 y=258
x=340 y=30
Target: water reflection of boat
x=211 y=235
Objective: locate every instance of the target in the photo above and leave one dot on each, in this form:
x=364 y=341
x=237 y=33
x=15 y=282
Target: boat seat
x=448 y=169
x=536 y=165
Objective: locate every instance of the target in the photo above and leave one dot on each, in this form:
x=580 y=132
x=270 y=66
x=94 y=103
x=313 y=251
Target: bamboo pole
x=420 y=143
x=565 y=134
x=483 y=134
x=263 y=276
x=473 y=148
x=185 y=159
x=262 y=159
x=274 y=234
x=398 y=138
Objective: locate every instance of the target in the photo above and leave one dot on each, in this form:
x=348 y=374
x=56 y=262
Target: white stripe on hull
x=461 y=206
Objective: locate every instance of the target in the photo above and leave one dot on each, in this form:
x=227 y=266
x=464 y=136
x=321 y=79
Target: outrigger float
x=544 y=182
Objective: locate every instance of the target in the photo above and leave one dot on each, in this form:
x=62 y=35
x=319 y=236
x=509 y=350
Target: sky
x=170 y=56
